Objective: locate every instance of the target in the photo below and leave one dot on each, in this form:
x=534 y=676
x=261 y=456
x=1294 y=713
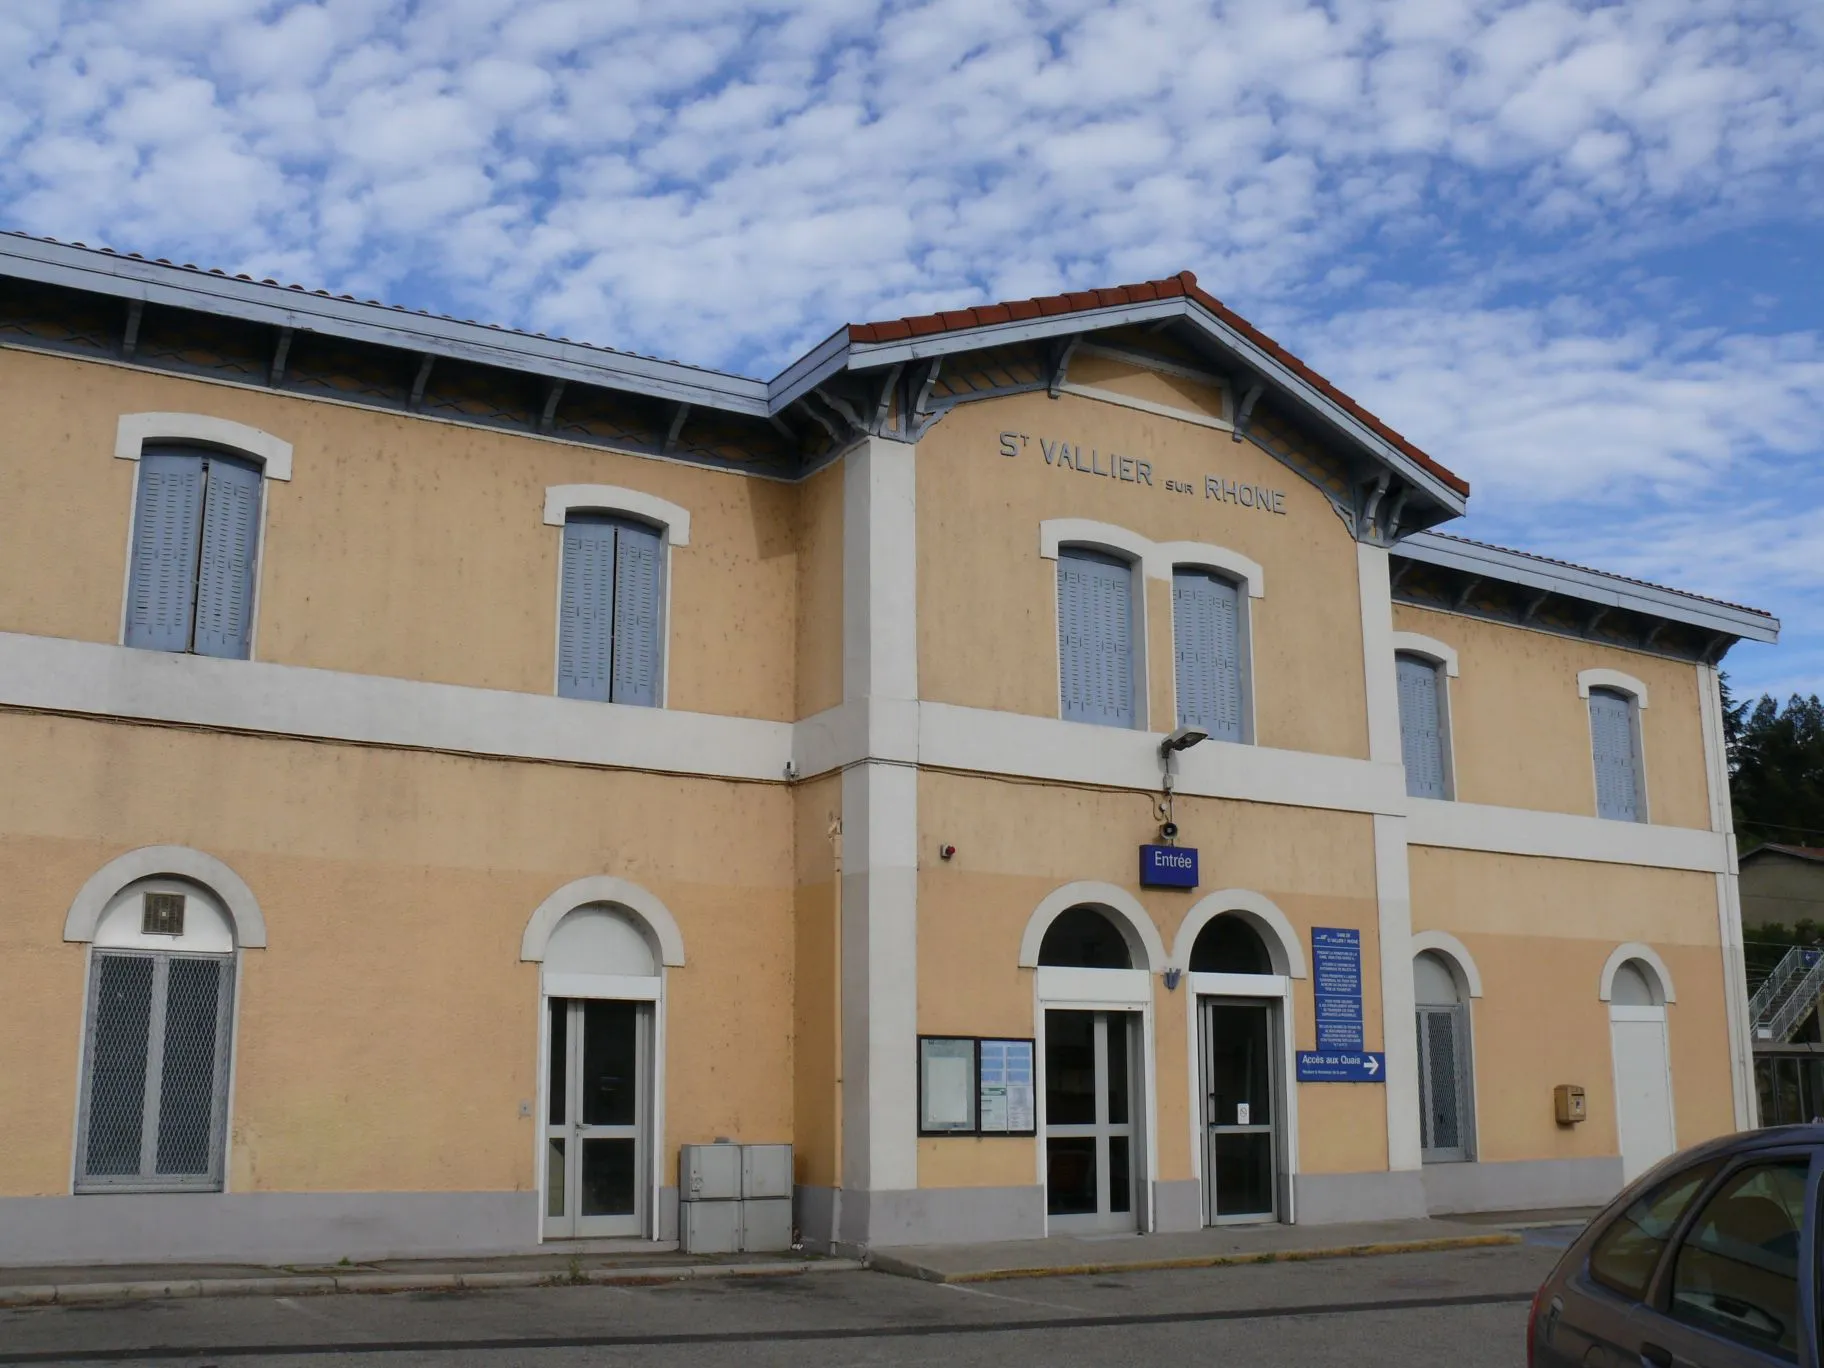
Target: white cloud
x=726 y=182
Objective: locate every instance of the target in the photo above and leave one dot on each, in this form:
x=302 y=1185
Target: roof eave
x=1592 y=586
x=867 y=355
x=129 y=278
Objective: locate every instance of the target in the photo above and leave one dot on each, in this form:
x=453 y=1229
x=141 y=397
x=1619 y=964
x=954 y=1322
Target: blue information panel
x=1341 y=1066
x=1163 y=866
x=1336 y=969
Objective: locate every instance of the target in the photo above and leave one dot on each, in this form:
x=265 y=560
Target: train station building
x=1050 y=763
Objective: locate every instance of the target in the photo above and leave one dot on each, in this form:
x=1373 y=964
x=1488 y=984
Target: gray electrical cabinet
x=766 y=1171
x=710 y=1173
x=735 y=1198
x=710 y=1227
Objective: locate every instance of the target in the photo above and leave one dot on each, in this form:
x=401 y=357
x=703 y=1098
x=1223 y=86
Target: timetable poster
x=1007 y=1099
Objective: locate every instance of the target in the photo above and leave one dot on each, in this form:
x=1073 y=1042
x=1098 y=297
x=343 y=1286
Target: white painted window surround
x=1156 y=559
x=1610 y=679
x=1447 y=946
x=1640 y=954
x=562 y=500
x=1123 y=909
x=100 y=894
x=135 y=430
x=1429 y=648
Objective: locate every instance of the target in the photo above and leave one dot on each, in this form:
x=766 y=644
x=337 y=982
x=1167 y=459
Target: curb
x=903 y=1268
x=76 y=1294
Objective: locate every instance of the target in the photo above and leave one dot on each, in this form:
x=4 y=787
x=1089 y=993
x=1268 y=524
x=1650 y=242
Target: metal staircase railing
x=1772 y=992
x=1799 y=1002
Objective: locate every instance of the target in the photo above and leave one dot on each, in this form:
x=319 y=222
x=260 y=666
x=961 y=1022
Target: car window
x=1625 y=1255
x=1736 y=1272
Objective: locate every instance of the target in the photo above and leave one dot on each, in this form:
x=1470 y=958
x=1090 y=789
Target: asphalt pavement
x=1462 y=1308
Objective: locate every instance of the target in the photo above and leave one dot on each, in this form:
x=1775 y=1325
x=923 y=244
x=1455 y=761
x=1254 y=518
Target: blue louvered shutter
x=585 y=632
x=1096 y=638
x=1206 y=648
x=167 y=525
x=1421 y=727
x=639 y=614
x=1612 y=737
x=225 y=567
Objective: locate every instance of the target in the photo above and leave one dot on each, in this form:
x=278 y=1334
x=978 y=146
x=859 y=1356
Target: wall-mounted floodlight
x=1182 y=740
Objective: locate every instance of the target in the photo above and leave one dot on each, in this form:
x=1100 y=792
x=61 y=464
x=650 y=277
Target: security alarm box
x=1568 y=1103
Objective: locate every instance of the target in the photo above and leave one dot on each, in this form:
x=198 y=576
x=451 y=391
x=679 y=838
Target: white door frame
x=1102 y=990
x=1277 y=986
x=1657 y=1015
x=613 y=987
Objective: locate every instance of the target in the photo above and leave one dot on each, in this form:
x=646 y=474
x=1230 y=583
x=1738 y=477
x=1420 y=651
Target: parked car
x=1709 y=1260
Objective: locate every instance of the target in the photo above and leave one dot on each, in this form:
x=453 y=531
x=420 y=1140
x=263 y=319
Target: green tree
x=1776 y=769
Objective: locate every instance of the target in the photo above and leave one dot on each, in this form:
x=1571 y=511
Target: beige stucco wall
x=400 y=546
x=1540 y=932
x=395 y=887
x=1520 y=735
x=985 y=593
x=1016 y=844
x=819 y=602
x=817 y=983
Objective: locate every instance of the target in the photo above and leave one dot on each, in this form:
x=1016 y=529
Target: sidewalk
x=138 y=1282
x=1064 y=1255
x=1055 y=1256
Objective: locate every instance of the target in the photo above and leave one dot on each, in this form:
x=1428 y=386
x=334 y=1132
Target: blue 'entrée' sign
x=1342 y=1066
x=1163 y=866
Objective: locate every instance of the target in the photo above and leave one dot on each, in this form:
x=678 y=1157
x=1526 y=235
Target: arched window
x=156 y=1042
x=1084 y=938
x=1228 y=945
x=1444 y=1060
x=1634 y=985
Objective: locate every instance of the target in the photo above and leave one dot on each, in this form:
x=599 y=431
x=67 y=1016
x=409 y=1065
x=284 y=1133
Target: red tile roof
x=1184 y=285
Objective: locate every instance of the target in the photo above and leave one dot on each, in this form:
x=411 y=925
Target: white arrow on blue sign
x=1341 y=1066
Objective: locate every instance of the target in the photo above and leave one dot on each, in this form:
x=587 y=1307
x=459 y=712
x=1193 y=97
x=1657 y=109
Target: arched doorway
x=1442 y=1009
x=1638 y=990
x=604 y=946
x=1091 y=1062
x=1240 y=1040
x=1095 y=950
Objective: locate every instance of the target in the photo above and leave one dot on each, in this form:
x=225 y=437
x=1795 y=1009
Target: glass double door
x=1092 y=1144
x=597 y=1117
x=1241 y=1103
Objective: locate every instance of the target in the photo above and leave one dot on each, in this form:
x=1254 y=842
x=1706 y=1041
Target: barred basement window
x=155 y=1070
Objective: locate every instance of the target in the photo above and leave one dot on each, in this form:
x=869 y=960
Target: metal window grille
x=155 y=1072
x=1444 y=1121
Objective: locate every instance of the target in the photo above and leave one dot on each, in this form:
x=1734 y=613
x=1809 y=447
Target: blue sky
x=1574 y=250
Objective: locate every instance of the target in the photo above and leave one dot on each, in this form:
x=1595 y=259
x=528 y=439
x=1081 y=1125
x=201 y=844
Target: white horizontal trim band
x=91 y=678
x=251 y=695
x=619 y=987
x=1125 y=987
x=1564 y=836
